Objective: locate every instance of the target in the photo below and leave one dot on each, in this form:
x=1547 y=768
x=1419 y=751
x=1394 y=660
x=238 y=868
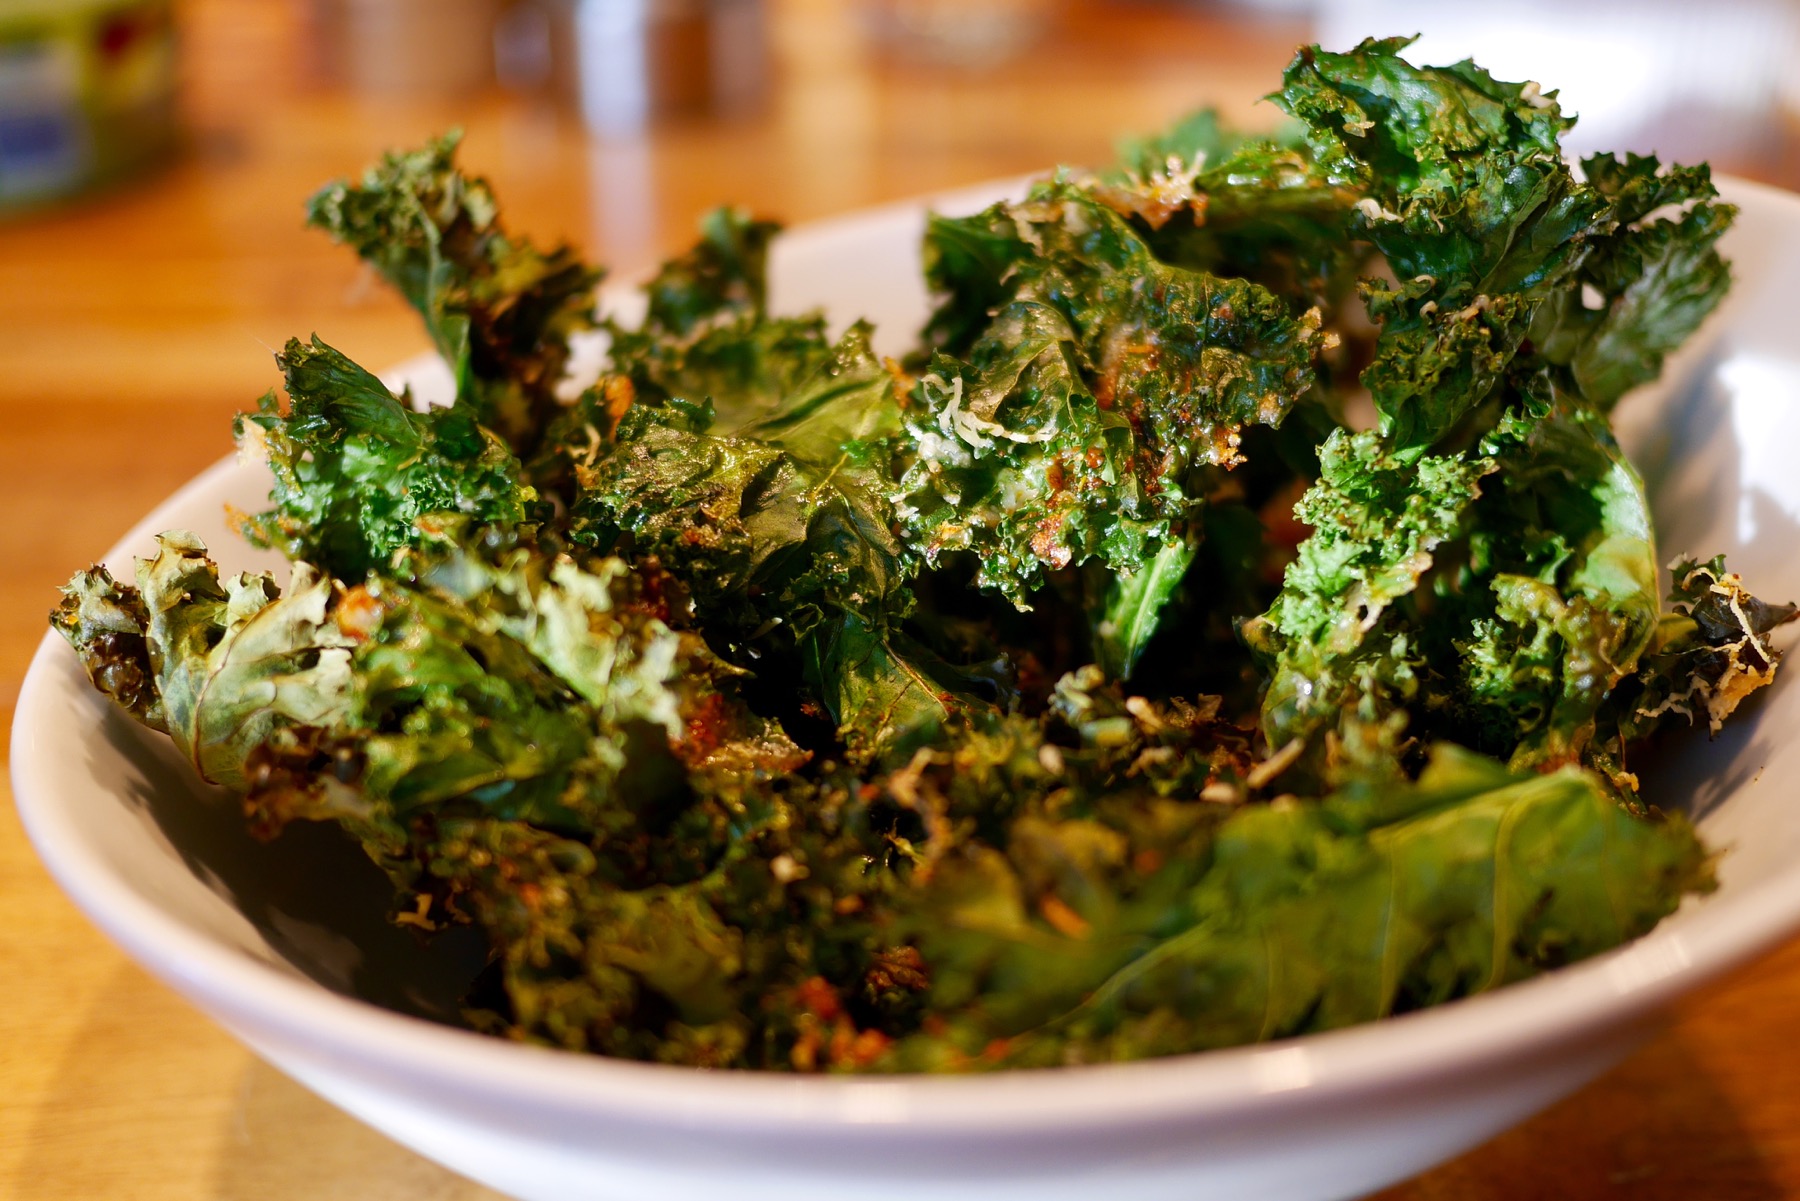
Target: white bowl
x=286 y=947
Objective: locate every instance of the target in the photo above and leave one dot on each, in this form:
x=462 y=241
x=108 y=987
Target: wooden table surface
x=133 y=325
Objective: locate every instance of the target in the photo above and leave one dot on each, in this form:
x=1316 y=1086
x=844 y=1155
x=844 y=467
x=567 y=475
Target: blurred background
x=154 y=156
x=614 y=122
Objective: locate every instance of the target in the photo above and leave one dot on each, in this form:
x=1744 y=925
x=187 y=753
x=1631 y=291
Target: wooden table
x=133 y=325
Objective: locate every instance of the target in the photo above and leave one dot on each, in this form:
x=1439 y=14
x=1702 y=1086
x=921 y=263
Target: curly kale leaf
x=1083 y=419
x=499 y=683
x=589 y=624
x=1319 y=915
x=1499 y=600
x=726 y=272
x=1129 y=608
x=968 y=262
x=1262 y=209
x=1470 y=201
x=668 y=487
x=742 y=368
x=1016 y=460
x=841 y=407
x=1199 y=137
x=1519 y=583
x=1563 y=541
x=1655 y=280
x=775 y=514
x=502 y=681
x=1539 y=669
x=1330 y=641
x=786 y=557
x=755 y=466
x=1188 y=358
x=784 y=535
x=1202 y=197
x=707 y=336
x=1484 y=226
x=235 y=661
x=516 y=738
x=472 y=693
x=888 y=693
x=1708 y=653
x=106 y=624
x=760 y=534
x=356 y=470
x=499 y=310
x=225 y=663
x=445 y=709
x=1463 y=173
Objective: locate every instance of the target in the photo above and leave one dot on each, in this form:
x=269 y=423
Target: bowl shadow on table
x=313 y=895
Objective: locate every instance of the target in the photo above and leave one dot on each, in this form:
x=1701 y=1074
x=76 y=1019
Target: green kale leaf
x=1563 y=540
x=1085 y=417
x=530 y=686
x=726 y=272
x=888 y=693
x=1314 y=916
x=105 y=623
x=780 y=522
x=1200 y=137
x=763 y=535
x=1262 y=209
x=707 y=336
x=968 y=262
x=1655 y=281
x=1707 y=654
x=230 y=662
x=788 y=558
x=1333 y=643
x=1131 y=607
x=498 y=309
x=1490 y=235
x=357 y=471
x=1468 y=198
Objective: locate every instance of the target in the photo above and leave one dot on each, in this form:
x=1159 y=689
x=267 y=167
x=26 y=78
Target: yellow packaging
x=87 y=93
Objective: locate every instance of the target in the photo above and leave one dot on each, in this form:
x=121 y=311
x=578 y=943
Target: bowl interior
x=138 y=839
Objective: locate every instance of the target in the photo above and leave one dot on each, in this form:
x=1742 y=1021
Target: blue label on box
x=45 y=145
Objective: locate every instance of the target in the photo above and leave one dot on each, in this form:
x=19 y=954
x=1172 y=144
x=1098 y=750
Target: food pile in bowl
x=1234 y=619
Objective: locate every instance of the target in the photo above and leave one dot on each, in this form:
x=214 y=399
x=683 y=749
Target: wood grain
x=133 y=325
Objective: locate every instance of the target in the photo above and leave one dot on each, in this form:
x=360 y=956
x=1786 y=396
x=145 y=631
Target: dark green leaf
x=357 y=472
x=499 y=310
x=1084 y=419
x=1131 y=607
x=1655 y=281
x=1331 y=645
x=1310 y=919
x=1469 y=199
